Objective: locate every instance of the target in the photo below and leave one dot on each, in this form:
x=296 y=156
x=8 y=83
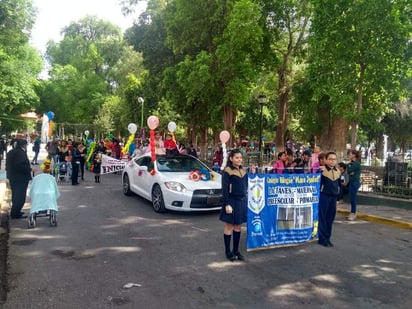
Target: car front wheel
x=126 y=185
x=157 y=199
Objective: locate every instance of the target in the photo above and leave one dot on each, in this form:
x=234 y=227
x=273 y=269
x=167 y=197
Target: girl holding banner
x=234 y=208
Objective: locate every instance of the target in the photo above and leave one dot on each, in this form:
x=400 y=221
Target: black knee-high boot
x=229 y=254
x=227 y=238
x=236 y=240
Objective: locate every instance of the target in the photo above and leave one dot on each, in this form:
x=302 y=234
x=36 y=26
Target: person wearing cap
x=18 y=171
x=301 y=165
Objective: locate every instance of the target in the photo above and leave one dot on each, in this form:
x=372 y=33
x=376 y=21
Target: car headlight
x=175 y=186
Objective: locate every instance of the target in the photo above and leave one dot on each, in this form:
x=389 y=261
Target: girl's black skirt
x=239 y=214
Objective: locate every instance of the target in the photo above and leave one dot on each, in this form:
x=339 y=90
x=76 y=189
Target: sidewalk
x=394 y=216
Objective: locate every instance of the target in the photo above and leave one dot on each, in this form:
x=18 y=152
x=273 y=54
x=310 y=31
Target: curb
x=377 y=219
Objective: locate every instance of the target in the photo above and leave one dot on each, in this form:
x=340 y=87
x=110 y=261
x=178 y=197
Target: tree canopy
x=327 y=67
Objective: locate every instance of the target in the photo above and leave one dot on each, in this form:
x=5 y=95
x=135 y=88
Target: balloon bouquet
x=171 y=126
x=224 y=137
x=152 y=123
x=132 y=128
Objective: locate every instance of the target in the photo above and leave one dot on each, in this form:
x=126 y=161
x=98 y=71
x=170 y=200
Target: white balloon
x=86 y=132
x=171 y=126
x=132 y=128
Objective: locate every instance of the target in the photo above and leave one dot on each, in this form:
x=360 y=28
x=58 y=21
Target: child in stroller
x=44 y=195
x=62 y=170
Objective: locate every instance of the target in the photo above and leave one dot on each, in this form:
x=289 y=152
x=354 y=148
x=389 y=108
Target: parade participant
x=234 y=208
x=97 y=166
x=83 y=152
x=329 y=191
x=63 y=151
x=36 y=149
x=192 y=151
x=354 y=170
x=301 y=165
x=19 y=174
x=344 y=182
x=217 y=158
x=281 y=165
x=52 y=148
x=170 y=145
x=75 y=159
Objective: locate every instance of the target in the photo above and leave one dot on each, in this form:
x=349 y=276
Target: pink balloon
x=152 y=122
x=224 y=136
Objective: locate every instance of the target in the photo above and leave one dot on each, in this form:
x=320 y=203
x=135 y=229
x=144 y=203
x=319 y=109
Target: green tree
x=286 y=32
x=357 y=61
x=19 y=63
x=85 y=70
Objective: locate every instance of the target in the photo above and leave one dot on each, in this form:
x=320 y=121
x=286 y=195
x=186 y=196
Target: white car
x=175 y=182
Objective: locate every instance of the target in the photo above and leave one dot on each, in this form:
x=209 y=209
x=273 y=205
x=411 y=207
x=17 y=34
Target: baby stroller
x=44 y=195
x=62 y=170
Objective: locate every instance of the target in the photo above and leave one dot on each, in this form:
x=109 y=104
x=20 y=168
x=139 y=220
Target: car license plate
x=213 y=200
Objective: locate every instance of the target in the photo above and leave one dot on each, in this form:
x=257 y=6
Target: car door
x=142 y=178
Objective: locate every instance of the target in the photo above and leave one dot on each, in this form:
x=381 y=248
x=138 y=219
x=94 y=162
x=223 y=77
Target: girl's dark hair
x=356 y=153
x=281 y=153
x=342 y=165
x=233 y=152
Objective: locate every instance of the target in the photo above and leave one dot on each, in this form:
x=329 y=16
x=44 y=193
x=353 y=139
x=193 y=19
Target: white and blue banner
x=282 y=210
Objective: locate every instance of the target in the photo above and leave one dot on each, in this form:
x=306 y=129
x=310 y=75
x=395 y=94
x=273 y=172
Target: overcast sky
x=53 y=15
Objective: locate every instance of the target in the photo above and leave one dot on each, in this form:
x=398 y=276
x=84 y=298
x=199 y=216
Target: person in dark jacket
x=354 y=170
x=234 y=207
x=329 y=192
x=76 y=155
x=36 y=150
x=19 y=174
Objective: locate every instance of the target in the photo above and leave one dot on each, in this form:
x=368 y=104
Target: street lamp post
x=141 y=101
x=262 y=101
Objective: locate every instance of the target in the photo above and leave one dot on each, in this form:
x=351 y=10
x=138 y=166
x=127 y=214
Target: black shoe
x=75 y=184
x=32 y=163
x=230 y=256
x=239 y=257
x=21 y=216
x=325 y=244
x=330 y=244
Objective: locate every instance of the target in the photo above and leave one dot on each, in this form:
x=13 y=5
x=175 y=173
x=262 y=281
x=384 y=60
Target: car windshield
x=178 y=164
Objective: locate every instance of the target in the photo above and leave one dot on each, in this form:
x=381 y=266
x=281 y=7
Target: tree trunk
x=229 y=123
x=354 y=123
x=203 y=144
x=333 y=136
x=283 y=91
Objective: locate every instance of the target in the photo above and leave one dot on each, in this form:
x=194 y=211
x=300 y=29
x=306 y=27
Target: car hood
x=183 y=178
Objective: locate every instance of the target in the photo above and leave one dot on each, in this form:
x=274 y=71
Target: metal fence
x=393 y=179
